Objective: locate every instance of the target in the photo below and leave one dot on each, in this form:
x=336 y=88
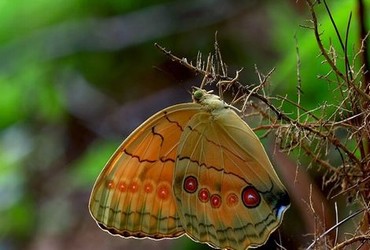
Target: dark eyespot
x=215 y=200
x=203 y=195
x=250 y=197
x=190 y=184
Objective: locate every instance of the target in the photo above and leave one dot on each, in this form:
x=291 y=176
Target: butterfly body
x=194 y=168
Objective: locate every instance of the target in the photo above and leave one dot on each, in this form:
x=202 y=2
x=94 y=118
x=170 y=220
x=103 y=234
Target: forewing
x=133 y=194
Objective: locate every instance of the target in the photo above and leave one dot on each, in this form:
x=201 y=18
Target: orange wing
x=133 y=195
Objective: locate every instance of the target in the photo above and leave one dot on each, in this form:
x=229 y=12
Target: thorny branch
x=244 y=90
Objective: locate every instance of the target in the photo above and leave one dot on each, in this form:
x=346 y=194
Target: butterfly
x=196 y=169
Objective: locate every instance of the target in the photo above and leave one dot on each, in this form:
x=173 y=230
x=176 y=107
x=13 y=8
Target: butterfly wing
x=133 y=194
x=226 y=189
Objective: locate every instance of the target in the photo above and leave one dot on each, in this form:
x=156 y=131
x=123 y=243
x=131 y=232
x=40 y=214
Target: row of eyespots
x=250 y=196
x=204 y=195
x=163 y=191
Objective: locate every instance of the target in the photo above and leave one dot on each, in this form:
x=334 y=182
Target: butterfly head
x=199 y=94
x=208 y=100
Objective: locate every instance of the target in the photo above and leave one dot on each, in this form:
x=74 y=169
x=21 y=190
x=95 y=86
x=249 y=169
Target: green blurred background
x=77 y=76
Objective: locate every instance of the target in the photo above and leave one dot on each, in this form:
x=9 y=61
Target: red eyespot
x=190 y=184
x=232 y=199
x=163 y=192
x=250 y=196
x=203 y=195
x=133 y=187
x=122 y=186
x=215 y=201
x=148 y=188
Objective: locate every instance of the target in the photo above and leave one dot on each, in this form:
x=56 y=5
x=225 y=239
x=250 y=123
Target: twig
x=359 y=238
x=326 y=56
x=334 y=227
x=363 y=38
